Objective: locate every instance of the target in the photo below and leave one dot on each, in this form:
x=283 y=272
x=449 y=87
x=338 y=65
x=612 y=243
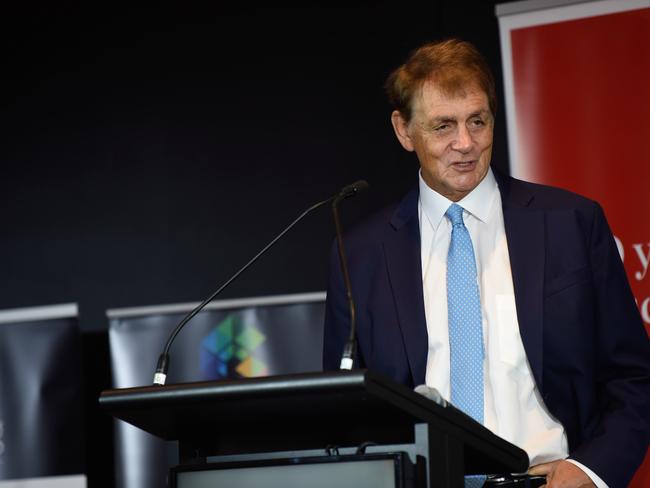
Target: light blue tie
x=465 y=325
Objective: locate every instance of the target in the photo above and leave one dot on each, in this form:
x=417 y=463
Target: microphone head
x=353 y=189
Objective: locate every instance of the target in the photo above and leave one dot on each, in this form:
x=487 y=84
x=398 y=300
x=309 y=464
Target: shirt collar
x=478 y=202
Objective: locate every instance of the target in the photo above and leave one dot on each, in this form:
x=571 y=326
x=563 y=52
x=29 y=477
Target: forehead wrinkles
x=431 y=91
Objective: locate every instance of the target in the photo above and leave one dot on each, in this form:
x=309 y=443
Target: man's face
x=452 y=137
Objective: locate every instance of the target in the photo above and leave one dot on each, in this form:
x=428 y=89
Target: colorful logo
x=228 y=351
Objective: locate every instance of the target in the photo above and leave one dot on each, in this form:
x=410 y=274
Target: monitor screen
x=370 y=471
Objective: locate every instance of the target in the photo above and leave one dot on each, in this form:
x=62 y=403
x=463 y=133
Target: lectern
x=299 y=419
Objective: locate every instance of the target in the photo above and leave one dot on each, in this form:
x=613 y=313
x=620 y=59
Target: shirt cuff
x=594 y=477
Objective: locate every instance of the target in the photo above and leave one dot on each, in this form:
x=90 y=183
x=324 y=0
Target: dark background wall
x=150 y=149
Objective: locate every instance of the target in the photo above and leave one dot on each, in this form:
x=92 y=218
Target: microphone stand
x=350 y=349
x=160 y=375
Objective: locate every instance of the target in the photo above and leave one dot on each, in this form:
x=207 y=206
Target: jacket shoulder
x=543 y=196
x=374 y=228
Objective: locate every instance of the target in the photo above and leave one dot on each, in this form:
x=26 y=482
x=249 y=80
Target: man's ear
x=400 y=126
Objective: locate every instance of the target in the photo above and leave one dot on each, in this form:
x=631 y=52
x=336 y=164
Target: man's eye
x=477 y=123
x=441 y=127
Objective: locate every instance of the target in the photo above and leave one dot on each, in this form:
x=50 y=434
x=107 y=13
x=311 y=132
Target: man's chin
x=466 y=182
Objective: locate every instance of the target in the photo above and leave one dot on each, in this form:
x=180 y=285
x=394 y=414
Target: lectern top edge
x=240 y=387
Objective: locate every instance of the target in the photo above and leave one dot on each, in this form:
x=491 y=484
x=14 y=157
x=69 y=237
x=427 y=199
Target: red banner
x=578 y=101
x=585 y=126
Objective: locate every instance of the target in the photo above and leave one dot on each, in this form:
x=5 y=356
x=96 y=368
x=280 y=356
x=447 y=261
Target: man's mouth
x=464 y=164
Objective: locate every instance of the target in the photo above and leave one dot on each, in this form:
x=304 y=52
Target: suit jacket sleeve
x=622 y=366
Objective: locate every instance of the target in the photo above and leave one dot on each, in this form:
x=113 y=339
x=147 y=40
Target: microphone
x=160 y=376
x=350 y=349
x=432 y=394
x=352 y=190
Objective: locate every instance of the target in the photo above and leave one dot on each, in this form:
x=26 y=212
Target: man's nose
x=463 y=141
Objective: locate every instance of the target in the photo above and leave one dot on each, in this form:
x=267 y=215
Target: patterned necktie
x=465 y=325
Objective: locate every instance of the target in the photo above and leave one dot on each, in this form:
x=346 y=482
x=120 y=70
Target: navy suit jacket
x=580 y=327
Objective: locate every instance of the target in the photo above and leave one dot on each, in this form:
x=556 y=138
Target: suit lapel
x=524 y=227
x=525 y=234
x=403 y=261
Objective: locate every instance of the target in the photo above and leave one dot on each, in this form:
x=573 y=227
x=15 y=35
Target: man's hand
x=562 y=474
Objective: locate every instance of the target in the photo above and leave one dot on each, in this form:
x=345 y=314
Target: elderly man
x=508 y=297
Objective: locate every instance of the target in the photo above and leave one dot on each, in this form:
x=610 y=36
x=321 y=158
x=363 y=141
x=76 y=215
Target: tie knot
x=455 y=214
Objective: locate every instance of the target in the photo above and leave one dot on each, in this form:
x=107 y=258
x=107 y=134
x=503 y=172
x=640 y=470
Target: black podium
x=308 y=415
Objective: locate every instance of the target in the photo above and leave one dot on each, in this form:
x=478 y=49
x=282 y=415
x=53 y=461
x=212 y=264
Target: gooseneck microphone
x=350 y=349
x=160 y=376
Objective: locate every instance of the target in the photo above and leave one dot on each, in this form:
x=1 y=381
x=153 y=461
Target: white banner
x=229 y=339
x=40 y=394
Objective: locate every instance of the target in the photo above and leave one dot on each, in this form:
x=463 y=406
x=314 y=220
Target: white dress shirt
x=513 y=407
